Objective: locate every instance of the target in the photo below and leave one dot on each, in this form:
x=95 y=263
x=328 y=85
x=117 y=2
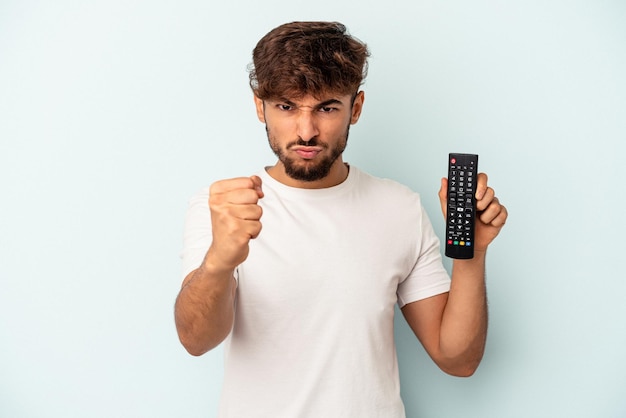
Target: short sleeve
x=196 y=233
x=428 y=276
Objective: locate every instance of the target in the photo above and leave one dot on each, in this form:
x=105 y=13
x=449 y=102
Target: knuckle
x=218 y=186
x=213 y=201
x=256 y=230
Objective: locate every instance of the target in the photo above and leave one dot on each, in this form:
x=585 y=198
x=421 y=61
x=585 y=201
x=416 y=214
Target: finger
x=234 y=197
x=481 y=185
x=225 y=186
x=235 y=230
x=239 y=190
x=254 y=229
x=248 y=229
x=246 y=212
x=443 y=196
x=495 y=214
x=258 y=185
x=488 y=196
x=500 y=220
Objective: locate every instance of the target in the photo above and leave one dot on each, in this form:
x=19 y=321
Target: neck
x=337 y=175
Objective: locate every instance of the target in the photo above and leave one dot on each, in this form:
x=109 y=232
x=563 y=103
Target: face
x=308 y=136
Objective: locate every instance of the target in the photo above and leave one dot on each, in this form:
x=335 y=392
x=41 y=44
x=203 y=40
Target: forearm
x=204 y=309
x=464 y=321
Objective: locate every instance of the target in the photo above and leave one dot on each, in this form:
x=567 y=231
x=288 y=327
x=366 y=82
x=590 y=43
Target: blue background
x=113 y=113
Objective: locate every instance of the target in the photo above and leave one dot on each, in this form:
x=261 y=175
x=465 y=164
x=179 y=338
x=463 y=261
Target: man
x=306 y=304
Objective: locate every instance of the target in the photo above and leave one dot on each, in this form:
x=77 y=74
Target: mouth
x=307 y=153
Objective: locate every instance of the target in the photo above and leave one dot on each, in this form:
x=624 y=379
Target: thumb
x=256 y=180
x=443 y=197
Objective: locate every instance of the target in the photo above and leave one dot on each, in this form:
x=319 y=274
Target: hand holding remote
x=474 y=215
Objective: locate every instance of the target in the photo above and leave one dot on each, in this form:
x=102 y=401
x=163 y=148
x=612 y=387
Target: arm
x=452 y=326
x=204 y=309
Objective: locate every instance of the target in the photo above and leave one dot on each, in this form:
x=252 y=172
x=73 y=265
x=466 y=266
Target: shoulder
x=199 y=198
x=386 y=189
x=201 y=194
x=198 y=206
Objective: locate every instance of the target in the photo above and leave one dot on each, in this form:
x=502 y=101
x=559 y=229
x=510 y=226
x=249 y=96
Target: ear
x=357 y=107
x=260 y=111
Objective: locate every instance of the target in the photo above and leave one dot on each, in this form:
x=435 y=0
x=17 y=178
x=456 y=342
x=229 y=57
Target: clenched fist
x=235 y=219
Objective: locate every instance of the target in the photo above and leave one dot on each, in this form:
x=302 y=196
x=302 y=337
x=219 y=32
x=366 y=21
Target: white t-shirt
x=313 y=333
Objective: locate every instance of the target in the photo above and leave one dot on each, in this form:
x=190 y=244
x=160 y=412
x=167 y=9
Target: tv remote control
x=461 y=218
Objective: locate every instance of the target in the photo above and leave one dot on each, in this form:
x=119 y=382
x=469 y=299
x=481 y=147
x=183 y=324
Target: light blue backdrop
x=112 y=113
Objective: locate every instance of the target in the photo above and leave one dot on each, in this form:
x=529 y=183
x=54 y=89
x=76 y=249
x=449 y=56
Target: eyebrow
x=325 y=103
x=330 y=102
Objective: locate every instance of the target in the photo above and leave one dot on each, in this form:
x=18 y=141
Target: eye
x=327 y=109
x=284 y=107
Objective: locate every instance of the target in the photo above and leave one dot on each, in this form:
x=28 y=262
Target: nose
x=306 y=126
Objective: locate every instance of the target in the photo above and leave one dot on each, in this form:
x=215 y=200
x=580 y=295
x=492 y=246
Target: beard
x=309 y=170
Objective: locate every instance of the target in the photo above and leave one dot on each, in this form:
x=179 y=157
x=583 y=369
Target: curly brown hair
x=307 y=58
